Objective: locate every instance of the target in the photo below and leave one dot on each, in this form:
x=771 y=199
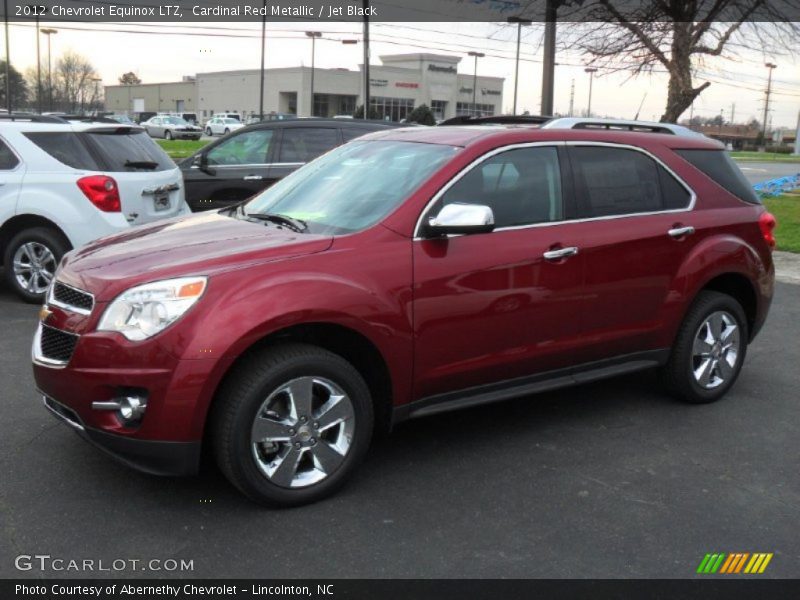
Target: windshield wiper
x=297 y=225
x=141 y=164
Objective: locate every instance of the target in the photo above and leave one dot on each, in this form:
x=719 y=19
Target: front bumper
x=184 y=135
x=149 y=456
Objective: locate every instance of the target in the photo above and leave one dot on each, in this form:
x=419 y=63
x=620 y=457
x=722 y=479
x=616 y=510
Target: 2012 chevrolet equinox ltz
x=408 y=272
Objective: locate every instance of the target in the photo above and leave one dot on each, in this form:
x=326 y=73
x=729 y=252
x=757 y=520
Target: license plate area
x=161 y=202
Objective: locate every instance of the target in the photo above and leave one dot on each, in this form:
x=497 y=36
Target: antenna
x=638 y=110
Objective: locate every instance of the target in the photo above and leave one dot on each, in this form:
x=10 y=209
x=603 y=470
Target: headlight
x=145 y=310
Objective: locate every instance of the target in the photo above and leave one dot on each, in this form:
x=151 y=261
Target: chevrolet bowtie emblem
x=44 y=313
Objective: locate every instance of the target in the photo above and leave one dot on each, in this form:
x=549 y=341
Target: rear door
x=237 y=168
x=631 y=212
x=300 y=145
x=150 y=183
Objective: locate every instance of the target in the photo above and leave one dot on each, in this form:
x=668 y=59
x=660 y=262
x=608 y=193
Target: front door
x=501 y=305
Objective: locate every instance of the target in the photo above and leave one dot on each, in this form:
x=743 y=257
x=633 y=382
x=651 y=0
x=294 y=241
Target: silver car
x=172 y=128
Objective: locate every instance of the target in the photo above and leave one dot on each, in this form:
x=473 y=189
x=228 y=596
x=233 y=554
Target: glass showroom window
x=393 y=108
x=438 y=107
x=478 y=110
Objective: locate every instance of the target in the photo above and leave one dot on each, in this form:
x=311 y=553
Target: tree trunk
x=680 y=93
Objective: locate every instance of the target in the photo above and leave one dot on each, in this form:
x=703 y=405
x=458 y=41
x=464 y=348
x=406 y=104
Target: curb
x=787 y=267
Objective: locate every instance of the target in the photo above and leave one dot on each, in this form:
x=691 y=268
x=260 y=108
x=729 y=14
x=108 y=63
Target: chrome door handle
x=679 y=232
x=560 y=253
x=252 y=178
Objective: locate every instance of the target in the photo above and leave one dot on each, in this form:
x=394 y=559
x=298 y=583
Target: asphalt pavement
x=758 y=172
x=607 y=480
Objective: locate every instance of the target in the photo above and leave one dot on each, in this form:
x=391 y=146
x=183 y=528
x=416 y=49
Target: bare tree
x=678 y=35
x=73 y=83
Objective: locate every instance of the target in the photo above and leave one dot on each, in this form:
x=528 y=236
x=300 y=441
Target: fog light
x=129 y=408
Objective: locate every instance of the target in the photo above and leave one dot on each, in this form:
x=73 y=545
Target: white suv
x=65 y=184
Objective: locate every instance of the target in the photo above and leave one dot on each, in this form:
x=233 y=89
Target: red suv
x=406 y=273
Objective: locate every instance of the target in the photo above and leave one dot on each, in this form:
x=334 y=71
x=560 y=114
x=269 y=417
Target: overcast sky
x=160 y=56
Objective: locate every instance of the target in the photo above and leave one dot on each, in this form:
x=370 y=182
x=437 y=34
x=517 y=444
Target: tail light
x=767 y=223
x=102 y=191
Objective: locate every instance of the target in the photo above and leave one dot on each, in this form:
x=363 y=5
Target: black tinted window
x=251 y=148
x=351 y=133
x=521 y=187
x=303 y=144
x=8 y=159
x=616 y=181
x=66 y=148
x=719 y=166
x=129 y=151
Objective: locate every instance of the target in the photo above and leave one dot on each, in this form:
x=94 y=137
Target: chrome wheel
x=302 y=432
x=34 y=266
x=716 y=350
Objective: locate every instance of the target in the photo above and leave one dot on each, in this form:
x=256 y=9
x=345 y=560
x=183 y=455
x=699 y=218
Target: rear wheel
x=167 y=135
x=709 y=350
x=227 y=131
x=291 y=424
x=30 y=261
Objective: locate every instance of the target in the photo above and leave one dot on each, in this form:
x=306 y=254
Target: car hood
x=201 y=244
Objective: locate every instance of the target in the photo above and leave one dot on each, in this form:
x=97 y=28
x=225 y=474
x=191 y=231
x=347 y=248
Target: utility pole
x=477 y=55
x=48 y=31
x=770 y=66
x=8 y=59
x=591 y=71
x=263 y=51
x=313 y=35
x=520 y=22
x=38 y=64
x=549 y=59
x=571 y=98
x=366 y=60
x=733 y=111
x=797 y=136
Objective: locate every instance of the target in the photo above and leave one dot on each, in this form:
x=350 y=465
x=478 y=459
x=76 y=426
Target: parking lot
x=608 y=480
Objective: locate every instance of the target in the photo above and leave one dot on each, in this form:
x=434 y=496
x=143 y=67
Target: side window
x=521 y=186
x=251 y=148
x=302 y=144
x=718 y=165
x=351 y=133
x=8 y=160
x=617 y=181
x=66 y=148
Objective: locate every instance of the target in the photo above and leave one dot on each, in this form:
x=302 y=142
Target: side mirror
x=461 y=219
x=201 y=162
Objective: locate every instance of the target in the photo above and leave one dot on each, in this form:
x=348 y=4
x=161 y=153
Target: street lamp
x=48 y=31
x=313 y=35
x=591 y=71
x=263 y=51
x=477 y=55
x=520 y=22
x=35 y=11
x=96 y=99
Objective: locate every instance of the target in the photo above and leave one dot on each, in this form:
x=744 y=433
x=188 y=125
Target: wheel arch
x=21 y=222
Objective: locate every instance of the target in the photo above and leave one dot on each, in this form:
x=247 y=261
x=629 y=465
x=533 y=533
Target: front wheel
x=31 y=259
x=709 y=350
x=291 y=424
x=209 y=133
x=167 y=135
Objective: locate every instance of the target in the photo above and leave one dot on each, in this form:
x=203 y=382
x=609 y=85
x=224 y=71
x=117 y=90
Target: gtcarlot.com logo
x=734 y=563
x=46 y=562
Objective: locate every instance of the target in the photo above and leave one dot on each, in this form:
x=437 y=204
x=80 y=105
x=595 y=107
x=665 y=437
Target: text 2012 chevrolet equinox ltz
x=409 y=272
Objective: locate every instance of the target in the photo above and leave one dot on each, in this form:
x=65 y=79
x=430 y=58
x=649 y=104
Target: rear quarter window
x=66 y=148
x=719 y=166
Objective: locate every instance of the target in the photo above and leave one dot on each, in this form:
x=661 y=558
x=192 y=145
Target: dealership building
x=400 y=83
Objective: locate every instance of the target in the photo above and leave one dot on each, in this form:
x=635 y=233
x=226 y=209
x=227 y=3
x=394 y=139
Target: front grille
x=72 y=297
x=56 y=344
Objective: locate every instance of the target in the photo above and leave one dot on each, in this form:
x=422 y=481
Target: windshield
x=353 y=186
x=175 y=121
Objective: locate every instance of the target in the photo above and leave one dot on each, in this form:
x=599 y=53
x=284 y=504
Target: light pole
x=351 y=42
x=35 y=10
x=263 y=50
x=520 y=22
x=549 y=56
x=96 y=98
x=366 y=58
x=477 y=55
x=48 y=31
x=313 y=35
x=591 y=71
x=770 y=66
x=8 y=59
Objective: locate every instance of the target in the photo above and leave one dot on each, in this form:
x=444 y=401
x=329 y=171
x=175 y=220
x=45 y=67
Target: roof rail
x=30 y=117
x=497 y=120
x=620 y=125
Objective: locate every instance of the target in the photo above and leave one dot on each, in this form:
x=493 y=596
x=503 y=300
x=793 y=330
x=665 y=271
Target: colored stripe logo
x=736 y=562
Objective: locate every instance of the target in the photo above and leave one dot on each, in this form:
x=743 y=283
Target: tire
x=167 y=135
x=227 y=131
x=257 y=385
x=47 y=246
x=209 y=133
x=710 y=318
